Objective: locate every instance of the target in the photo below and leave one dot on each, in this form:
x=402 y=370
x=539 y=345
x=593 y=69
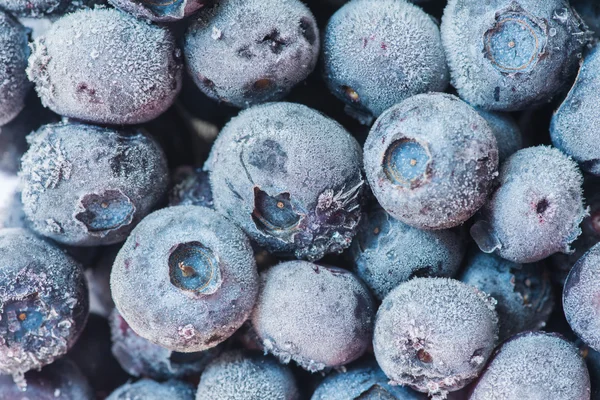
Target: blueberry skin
x=431 y=160
x=434 y=334
x=139 y=357
x=128 y=71
x=387 y=252
x=579 y=298
x=192 y=188
x=14 y=52
x=534 y=365
x=592 y=360
x=246 y=52
x=589 y=12
x=379 y=53
x=290 y=178
x=536 y=209
x=523 y=292
x=43 y=303
x=11 y=208
x=238 y=375
x=160 y=10
x=198 y=271
x=318 y=316
x=364 y=382
x=508 y=134
x=85 y=185
x=61 y=380
x=574 y=127
x=147 y=389
x=508 y=56
x=45 y=8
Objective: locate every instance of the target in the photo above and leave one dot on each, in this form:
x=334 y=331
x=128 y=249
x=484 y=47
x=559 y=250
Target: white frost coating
x=135 y=77
x=246 y=376
x=535 y=366
x=537 y=208
x=575 y=127
x=318 y=316
x=147 y=389
x=159 y=10
x=434 y=334
x=385 y=51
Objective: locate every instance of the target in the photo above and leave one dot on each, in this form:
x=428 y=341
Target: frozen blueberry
x=192 y=188
x=523 y=292
x=318 y=316
x=85 y=185
x=537 y=208
x=378 y=53
x=160 y=10
x=147 y=389
x=61 y=380
x=365 y=382
x=245 y=52
x=239 y=375
x=14 y=51
x=92 y=355
x=589 y=10
x=387 y=252
x=580 y=298
x=290 y=178
x=127 y=71
x=43 y=303
x=592 y=360
x=44 y=8
x=575 y=127
x=431 y=160
x=98 y=279
x=139 y=357
x=11 y=208
x=434 y=334
x=534 y=365
x=561 y=263
x=508 y=134
x=197 y=271
x=508 y=55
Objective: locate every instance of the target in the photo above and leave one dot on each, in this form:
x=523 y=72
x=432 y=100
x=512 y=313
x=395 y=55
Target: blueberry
x=290 y=178
x=536 y=210
x=561 y=263
x=589 y=12
x=139 y=357
x=147 y=389
x=192 y=188
x=575 y=125
x=43 y=8
x=534 y=365
x=364 y=382
x=523 y=292
x=430 y=161
x=510 y=55
x=85 y=185
x=245 y=52
x=61 y=380
x=197 y=270
x=318 y=316
x=92 y=355
x=13 y=62
x=387 y=252
x=378 y=53
x=434 y=334
x=240 y=375
x=592 y=360
x=128 y=71
x=160 y=10
x=43 y=303
x=508 y=134
x=11 y=208
x=580 y=296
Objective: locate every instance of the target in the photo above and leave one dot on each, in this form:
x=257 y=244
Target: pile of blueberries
x=272 y=200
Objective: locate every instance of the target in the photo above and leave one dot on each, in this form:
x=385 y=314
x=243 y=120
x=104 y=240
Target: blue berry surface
x=147 y=389
x=160 y=10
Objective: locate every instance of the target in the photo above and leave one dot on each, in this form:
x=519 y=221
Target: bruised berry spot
x=194 y=267
x=542 y=206
x=351 y=94
x=514 y=43
x=107 y=211
x=308 y=30
x=406 y=163
x=273 y=214
x=424 y=356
